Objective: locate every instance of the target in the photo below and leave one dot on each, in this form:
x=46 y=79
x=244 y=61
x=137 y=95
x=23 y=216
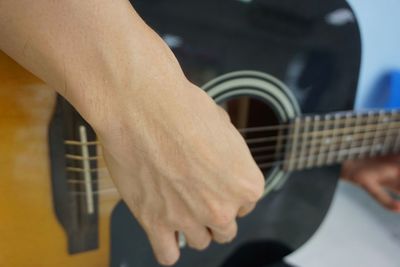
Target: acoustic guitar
x=267 y=63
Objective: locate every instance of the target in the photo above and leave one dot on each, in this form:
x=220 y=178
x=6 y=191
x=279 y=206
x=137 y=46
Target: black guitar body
x=314 y=47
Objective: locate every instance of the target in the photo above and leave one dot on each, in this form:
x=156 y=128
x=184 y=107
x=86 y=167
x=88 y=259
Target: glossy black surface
x=311 y=45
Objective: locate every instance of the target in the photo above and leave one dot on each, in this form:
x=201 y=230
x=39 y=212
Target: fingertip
x=169 y=259
x=164 y=245
x=396 y=207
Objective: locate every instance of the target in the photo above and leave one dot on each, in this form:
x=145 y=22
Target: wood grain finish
x=30 y=234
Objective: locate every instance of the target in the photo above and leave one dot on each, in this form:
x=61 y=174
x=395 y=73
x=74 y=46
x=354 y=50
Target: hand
x=378 y=177
x=179 y=164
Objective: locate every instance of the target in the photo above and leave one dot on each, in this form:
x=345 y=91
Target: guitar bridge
x=73 y=156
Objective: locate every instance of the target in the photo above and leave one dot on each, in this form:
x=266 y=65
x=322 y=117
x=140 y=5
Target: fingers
x=164 y=244
x=197 y=236
x=224 y=234
x=376 y=176
x=378 y=192
x=373 y=182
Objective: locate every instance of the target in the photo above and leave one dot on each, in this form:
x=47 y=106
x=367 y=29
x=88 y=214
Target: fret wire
x=352 y=145
x=345 y=139
x=397 y=143
x=355 y=133
x=380 y=117
x=313 y=140
x=330 y=157
x=332 y=151
x=279 y=143
x=321 y=157
x=357 y=136
x=355 y=114
x=365 y=128
x=386 y=142
x=303 y=142
x=352 y=151
x=365 y=134
x=292 y=154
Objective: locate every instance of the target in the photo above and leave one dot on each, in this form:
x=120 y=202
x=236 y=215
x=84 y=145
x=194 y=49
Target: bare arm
x=162 y=135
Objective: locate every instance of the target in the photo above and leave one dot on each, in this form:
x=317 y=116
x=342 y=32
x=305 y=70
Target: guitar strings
x=304 y=131
x=331 y=118
x=379 y=135
x=383 y=133
x=338 y=133
x=365 y=146
x=261 y=166
x=313 y=142
x=347 y=123
x=309 y=146
x=334 y=155
x=324 y=122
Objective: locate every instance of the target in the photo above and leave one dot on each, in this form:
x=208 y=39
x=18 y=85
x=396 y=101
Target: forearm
x=89 y=51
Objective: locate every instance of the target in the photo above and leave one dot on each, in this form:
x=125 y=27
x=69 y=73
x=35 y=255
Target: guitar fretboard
x=315 y=141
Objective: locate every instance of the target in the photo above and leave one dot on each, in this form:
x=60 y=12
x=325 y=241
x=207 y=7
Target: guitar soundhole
x=257 y=122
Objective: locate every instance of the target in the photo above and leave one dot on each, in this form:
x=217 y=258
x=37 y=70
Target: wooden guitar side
x=30 y=234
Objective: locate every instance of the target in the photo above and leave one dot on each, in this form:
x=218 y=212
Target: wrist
x=121 y=81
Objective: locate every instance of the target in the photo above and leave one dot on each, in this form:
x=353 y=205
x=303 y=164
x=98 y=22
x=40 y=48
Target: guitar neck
x=316 y=141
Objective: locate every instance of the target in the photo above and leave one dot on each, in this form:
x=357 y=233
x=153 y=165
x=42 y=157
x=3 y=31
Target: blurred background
x=344 y=239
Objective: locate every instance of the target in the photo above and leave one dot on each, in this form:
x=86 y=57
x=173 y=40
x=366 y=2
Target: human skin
x=176 y=159
x=378 y=177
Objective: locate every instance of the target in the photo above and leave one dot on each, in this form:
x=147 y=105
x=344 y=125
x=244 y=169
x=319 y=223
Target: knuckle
x=253 y=191
x=184 y=222
x=221 y=219
x=179 y=222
